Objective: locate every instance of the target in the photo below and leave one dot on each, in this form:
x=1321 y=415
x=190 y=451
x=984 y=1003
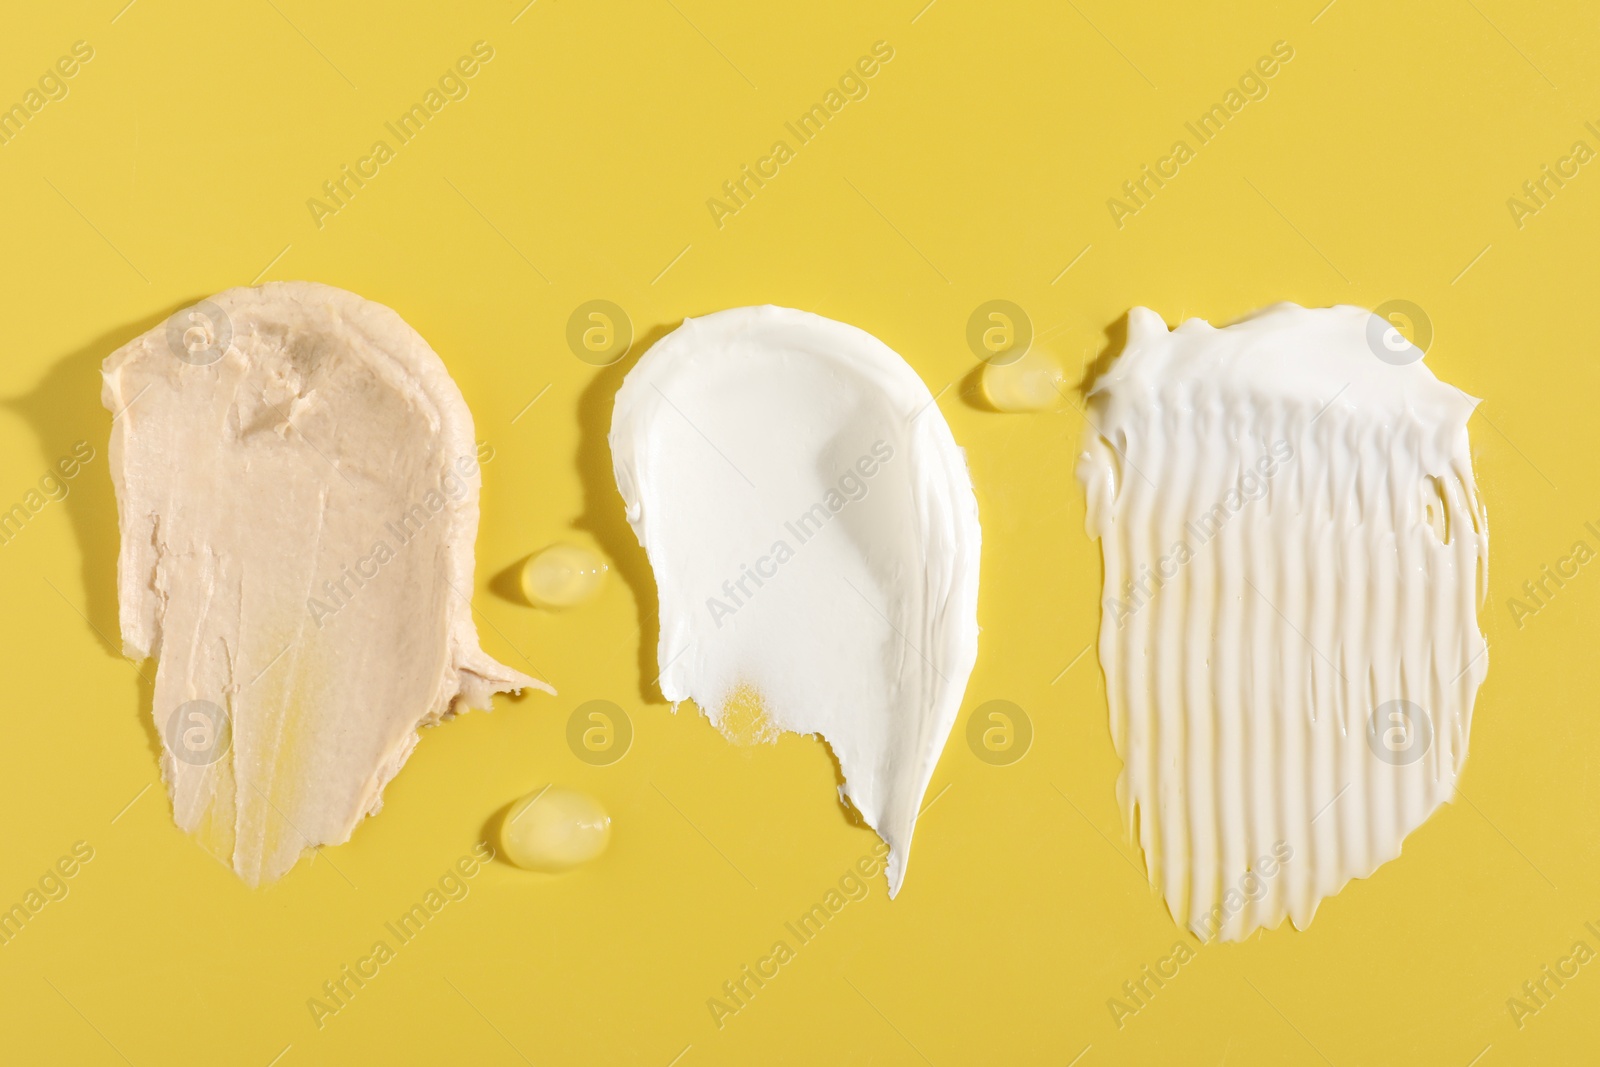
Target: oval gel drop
x=562 y=575
x=1031 y=383
x=555 y=830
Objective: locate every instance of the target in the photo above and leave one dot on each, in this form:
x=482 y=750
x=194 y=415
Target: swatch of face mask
x=1295 y=551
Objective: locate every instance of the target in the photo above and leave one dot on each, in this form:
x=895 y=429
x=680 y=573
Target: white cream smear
x=297 y=481
x=1295 y=552
x=814 y=536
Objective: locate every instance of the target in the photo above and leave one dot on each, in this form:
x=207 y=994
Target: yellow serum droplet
x=555 y=830
x=1032 y=383
x=562 y=575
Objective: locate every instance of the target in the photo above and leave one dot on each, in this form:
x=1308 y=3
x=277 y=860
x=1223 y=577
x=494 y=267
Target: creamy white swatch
x=814 y=536
x=297 y=482
x=1295 y=552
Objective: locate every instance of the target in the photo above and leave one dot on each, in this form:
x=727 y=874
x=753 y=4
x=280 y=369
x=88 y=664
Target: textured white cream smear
x=1293 y=545
x=814 y=537
x=297 y=483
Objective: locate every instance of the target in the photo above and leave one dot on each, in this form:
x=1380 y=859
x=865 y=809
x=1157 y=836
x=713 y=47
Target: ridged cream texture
x=253 y=486
x=1244 y=669
x=814 y=537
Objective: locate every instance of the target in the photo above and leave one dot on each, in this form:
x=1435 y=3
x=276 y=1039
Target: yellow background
x=979 y=167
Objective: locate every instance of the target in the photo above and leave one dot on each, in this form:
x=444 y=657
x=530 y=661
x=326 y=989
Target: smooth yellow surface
x=978 y=167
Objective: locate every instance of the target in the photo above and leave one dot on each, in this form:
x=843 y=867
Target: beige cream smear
x=297 y=485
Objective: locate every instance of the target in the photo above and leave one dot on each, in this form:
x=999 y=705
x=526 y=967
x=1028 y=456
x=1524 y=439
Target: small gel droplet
x=562 y=575
x=555 y=830
x=1027 y=384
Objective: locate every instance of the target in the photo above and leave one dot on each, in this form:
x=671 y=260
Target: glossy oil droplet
x=1032 y=383
x=555 y=830
x=562 y=575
